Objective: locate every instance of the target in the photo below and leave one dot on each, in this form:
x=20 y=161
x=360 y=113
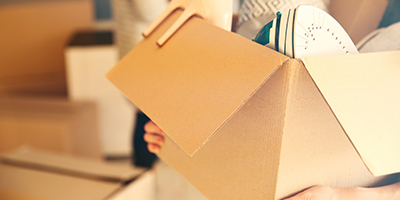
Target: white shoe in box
x=306 y=31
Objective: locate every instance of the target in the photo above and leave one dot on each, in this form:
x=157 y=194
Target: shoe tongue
x=262 y=36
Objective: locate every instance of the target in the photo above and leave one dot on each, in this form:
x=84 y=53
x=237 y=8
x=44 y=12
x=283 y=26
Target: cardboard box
x=88 y=57
x=32 y=41
x=246 y=122
x=54 y=124
x=358 y=18
x=34 y=174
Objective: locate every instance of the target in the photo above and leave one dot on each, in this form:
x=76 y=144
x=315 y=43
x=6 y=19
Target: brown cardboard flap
x=70 y=165
x=363 y=91
x=193 y=84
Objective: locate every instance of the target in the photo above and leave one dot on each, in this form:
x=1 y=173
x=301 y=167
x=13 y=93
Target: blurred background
x=42 y=43
x=56 y=105
x=59 y=51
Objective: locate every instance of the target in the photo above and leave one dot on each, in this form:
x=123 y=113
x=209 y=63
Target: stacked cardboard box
x=54 y=124
x=28 y=173
x=32 y=42
x=89 y=56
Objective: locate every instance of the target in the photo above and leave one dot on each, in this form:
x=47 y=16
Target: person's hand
x=320 y=192
x=154 y=137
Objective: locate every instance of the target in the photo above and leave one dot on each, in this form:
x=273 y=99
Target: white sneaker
x=304 y=32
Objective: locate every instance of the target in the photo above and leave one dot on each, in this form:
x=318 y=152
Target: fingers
x=154 y=137
x=318 y=192
x=153 y=148
x=151 y=127
x=299 y=197
x=296 y=197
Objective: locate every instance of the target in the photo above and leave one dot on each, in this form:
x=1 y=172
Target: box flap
x=71 y=165
x=363 y=92
x=193 y=84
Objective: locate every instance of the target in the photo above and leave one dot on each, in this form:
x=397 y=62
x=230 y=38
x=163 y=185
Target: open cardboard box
x=32 y=174
x=246 y=122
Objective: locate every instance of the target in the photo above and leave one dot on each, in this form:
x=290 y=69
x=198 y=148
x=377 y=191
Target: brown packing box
x=28 y=173
x=54 y=124
x=33 y=37
x=358 y=17
x=246 y=122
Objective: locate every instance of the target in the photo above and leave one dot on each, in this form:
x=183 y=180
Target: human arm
x=388 y=192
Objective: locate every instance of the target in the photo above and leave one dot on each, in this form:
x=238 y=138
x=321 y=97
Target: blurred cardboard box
x=88 y=57
x=246 y=122
x=54 y=124
x=32 y=40
x=28 y=173
x=358 y=18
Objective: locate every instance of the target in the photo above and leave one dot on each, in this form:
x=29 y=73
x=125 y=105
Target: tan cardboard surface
x=214 y=84
x=54 y=124
x=38 y=32
x=22 y=183
x=363 y=92
x=241 y=161
x=284 y=139
x=72 y=165
x=315 y=149
x=17 y=196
